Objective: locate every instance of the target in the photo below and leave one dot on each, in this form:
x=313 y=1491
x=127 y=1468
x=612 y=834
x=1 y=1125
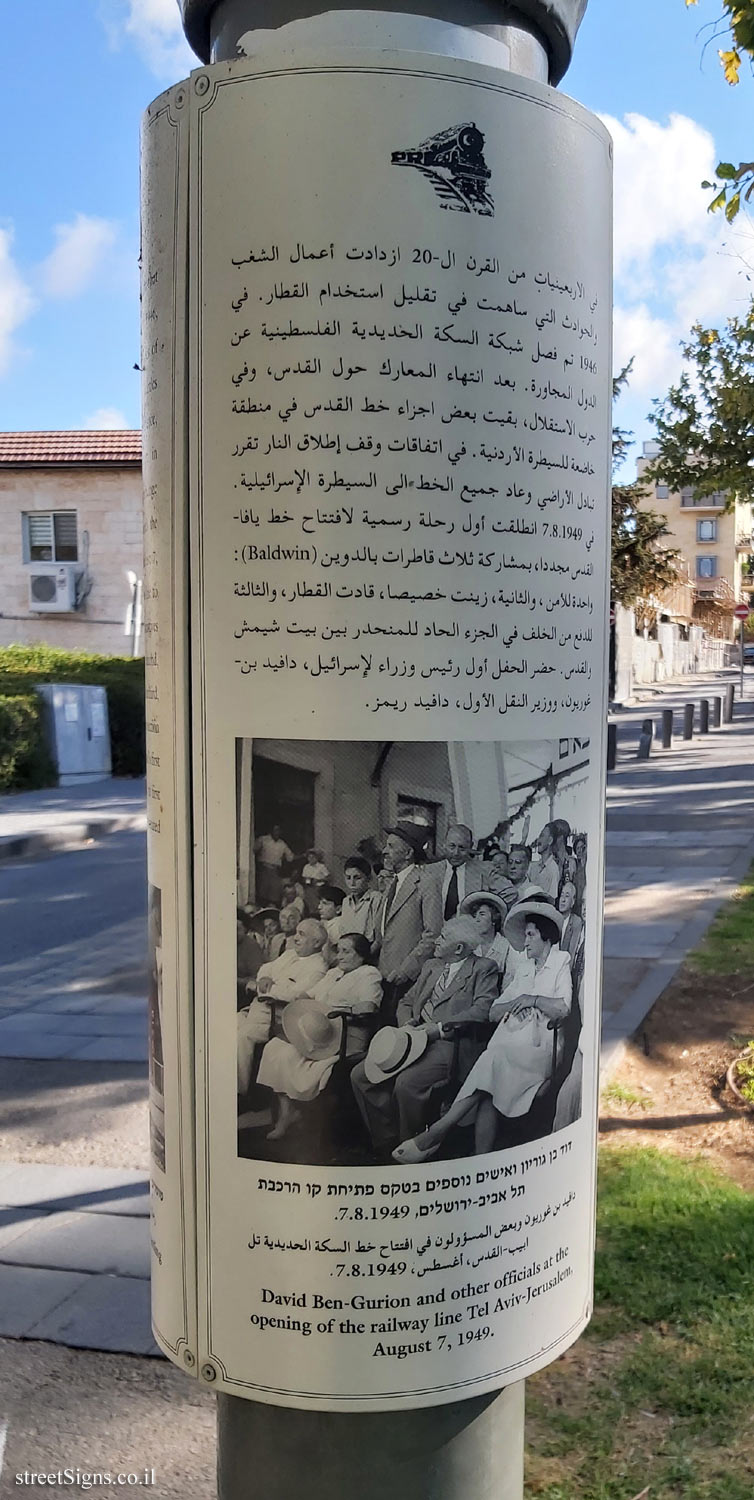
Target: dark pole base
x=612 y=746
x=468 y=1450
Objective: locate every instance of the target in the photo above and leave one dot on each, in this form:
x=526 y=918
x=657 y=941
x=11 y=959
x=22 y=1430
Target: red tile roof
x=48 y=449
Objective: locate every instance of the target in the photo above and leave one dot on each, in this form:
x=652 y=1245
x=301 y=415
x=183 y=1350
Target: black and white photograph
x=410 y=928
x=156 y=1060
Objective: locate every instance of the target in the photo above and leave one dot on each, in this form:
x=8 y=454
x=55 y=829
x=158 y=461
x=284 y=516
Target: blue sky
x=79 y=77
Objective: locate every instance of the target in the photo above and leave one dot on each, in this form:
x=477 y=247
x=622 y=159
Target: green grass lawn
x=728 y=944
x=660 y=1391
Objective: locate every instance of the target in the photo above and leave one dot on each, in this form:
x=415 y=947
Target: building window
x=687 y=495
x=50 y=536
x=706 y=531
x=706 y=567
x=661 y=491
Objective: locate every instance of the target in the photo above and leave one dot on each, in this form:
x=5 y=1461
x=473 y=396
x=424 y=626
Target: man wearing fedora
x=410 y=916
x=406 y=1064
x=458 y=875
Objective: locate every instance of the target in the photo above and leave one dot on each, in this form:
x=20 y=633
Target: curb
x=69 y=836
x=616 y=1038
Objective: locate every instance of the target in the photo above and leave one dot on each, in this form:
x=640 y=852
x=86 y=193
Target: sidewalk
x=74 y=1242
x=58 y=818
x=680 y=837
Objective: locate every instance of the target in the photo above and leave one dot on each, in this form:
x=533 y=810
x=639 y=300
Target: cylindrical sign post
x=376 y=302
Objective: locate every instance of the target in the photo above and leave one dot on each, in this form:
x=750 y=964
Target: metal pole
x=717 y=712
x=612 y=746
x=741 y=626
x=728 y=704
x=467 y=1450
x=688 y=721
x=704 y=715
x=667 y=728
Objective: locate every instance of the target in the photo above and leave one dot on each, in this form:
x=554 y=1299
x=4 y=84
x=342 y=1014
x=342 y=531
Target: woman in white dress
x=518 y=1059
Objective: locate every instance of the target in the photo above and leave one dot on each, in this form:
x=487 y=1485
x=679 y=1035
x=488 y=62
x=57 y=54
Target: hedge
x=24 y=757
x=21 y=667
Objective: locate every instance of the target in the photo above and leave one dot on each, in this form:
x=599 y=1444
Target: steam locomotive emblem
x=454 y=162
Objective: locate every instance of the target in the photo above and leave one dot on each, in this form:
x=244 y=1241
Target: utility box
x=78 y=731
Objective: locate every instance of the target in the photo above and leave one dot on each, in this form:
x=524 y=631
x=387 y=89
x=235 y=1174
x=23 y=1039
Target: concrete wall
x=108 y=506
x=640 y=661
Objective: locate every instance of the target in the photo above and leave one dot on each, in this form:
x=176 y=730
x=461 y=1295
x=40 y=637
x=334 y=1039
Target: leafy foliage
x=705 y=424
x=640 y=564
x=736 y=184
x=123 y=678
x=24 y=760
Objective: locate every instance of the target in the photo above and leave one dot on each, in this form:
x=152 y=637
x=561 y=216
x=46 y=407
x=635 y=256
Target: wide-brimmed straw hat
x=515 y=926
x=310 y=1030
x=480 y=898
x=391 y=1050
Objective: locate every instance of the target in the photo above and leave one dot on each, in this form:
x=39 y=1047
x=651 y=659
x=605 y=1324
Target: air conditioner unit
x=52 y=588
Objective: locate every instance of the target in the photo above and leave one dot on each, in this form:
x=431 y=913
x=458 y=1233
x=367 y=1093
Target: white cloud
x=78 y=255
x=658 y=198
x=106 y=419
x=154 y=26
x=675 y=263
x=652 y=343
x=16 y=301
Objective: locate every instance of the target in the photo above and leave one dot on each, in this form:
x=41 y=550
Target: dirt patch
x=670 y=1089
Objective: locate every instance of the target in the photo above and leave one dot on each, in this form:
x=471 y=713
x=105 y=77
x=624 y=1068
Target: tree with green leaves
x=735 y=185
x=641 y=566
x=705 y=424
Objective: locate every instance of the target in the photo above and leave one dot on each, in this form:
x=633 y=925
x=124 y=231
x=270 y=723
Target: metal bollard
x=647 y=727
x=717 y=712
x=728 y=704
x=645 y=745
x=688 y=721
x=667 y=728
x=704 y=715
x=612 y=746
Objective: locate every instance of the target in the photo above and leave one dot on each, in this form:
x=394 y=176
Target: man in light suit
x=454 y=988
x=458 y=874
x=410 y=916
x=572 y=931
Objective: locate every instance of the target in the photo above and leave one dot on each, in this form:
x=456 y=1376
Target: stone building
x=715 y=546
x=70 y=536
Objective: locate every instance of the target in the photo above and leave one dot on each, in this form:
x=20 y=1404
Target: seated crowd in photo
x=434 y=994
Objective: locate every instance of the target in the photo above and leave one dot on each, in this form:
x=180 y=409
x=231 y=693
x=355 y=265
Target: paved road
x=66 y=901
